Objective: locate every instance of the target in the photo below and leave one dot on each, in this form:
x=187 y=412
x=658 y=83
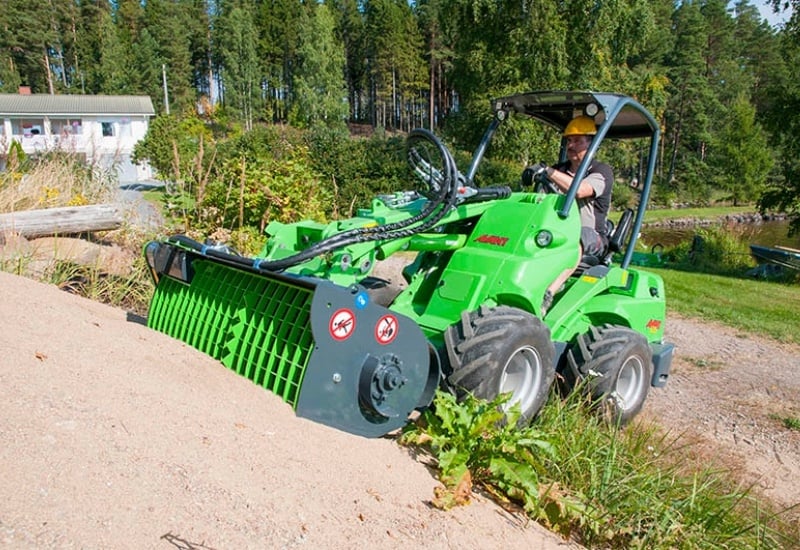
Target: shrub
x=252 y=192
x=718 y=250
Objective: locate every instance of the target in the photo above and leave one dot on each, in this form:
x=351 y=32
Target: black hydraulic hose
x=496 y=192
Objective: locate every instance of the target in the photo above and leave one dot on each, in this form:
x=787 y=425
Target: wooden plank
x=787 y=249
x=63 y=220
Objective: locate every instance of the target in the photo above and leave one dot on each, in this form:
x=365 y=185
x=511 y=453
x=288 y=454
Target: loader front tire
x=617 y=364
x=500 y=350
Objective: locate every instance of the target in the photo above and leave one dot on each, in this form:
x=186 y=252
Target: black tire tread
x=472 y=348
x=598 y=347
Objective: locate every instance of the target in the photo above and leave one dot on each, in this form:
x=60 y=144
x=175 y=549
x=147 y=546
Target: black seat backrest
x=618 y=237
x=616 y=241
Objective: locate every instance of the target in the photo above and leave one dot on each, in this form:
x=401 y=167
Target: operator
x=593 y=196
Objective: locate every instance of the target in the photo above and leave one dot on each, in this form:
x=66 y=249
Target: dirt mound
x=115 y=436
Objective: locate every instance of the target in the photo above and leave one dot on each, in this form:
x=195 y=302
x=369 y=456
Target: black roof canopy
x=627 y=117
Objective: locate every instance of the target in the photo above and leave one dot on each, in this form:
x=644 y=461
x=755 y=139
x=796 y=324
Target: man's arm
x=589 y=185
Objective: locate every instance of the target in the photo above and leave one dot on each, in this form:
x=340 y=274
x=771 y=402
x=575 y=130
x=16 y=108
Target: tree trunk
x=46 y=60
x=62 y=221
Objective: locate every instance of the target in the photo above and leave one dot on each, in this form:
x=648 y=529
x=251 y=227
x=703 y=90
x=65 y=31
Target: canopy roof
x=627 y=117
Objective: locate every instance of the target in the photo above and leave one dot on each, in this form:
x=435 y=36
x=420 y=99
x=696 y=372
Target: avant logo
x=653 y=325
x=492 y=239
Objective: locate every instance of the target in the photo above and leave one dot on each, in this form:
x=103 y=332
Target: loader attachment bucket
x=328 y=351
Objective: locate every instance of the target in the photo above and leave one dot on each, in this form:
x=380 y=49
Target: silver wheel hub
x=522 y=377
x=629 y=383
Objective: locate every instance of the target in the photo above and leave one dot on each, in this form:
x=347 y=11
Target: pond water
x=766 y=234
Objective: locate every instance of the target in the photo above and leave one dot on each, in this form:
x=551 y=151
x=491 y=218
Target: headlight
x=544 y=238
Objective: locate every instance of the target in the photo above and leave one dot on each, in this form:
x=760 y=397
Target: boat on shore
x=778 y=255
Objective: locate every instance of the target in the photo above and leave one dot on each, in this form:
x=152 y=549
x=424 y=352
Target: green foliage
x=788 y=422
x=320 y=95
x=235 y=35
x=475 y=442
x=358 y=169
x=741 y=154
x=595 y=484
x=247 y=192
x=719 y=81
x=718 y=250
x=175 y=148
x=623 y=197
x=792 y=423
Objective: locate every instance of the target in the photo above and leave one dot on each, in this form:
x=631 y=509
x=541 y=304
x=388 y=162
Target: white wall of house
x=106 y=141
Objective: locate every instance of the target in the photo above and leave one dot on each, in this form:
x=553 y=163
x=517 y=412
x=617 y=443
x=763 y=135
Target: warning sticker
x=386 y=329
x=342 y=324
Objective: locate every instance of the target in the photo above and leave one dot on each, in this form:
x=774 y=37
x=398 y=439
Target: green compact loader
x=309 y=320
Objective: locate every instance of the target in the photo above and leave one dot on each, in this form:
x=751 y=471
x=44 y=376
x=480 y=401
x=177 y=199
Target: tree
x=783 y=193
x=741 y=155
x=691 y=99
x=113 y=72
x=171 y=24
x=278 y=24
x=319 y=88
x=395 y=61
x=27 y=42
x=351 y=32
x=238 y=64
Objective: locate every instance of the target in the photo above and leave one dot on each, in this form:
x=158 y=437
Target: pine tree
x=236 y=51
x=320 y=93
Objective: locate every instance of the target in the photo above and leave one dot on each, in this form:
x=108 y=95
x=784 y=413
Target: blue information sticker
x=362 y=299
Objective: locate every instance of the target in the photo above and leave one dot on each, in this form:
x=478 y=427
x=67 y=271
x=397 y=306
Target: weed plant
x=603 y=486
x=52 y=180
x=131 y=293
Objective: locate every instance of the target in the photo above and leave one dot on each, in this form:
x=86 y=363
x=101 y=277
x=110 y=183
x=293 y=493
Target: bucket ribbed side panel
x=257 y=326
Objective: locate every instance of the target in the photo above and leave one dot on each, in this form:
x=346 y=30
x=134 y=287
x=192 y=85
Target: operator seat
x=617 y=237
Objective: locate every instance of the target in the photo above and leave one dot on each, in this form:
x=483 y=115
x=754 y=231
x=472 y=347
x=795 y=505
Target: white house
x=102 y=129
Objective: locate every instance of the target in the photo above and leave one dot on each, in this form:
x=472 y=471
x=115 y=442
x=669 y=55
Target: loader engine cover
x=328 y=351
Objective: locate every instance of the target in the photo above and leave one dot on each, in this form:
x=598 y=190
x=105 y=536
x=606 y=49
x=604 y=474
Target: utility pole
x=164 y=79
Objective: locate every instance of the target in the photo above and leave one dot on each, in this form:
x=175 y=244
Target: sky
x=765 y=9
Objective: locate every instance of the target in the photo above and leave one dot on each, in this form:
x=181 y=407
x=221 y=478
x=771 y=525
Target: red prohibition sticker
x=386 y=329
x=342 y=324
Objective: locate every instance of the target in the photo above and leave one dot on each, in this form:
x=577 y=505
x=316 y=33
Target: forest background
x=264 y=104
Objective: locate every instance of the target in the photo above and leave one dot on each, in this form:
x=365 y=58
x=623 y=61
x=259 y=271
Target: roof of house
x=74 y=105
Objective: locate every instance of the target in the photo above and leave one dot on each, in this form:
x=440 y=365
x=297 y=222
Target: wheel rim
x=522 y=378
x=629 y=385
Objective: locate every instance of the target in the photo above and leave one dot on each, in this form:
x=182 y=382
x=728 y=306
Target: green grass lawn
x=710 y=213
x=760 y=307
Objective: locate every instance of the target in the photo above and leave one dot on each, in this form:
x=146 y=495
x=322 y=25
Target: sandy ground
x=115 y=436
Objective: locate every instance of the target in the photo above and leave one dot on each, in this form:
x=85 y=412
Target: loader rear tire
x=617 y=364
x=502 y=350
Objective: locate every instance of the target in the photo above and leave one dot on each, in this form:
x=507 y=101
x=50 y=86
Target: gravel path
x=728 y=395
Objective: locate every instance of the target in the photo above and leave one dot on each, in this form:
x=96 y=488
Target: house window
x=27 y=127
x=65 y=127
x=108 y=129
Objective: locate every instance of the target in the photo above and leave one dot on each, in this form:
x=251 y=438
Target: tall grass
x=595 y=483
x=51 y=180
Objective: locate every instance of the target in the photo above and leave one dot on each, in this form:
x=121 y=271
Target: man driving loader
x=594 y=195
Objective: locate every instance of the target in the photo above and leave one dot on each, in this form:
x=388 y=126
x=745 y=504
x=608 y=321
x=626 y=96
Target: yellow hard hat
x=580 y=126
